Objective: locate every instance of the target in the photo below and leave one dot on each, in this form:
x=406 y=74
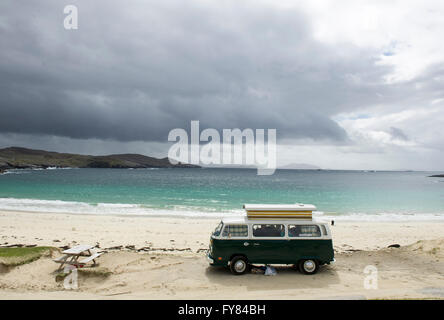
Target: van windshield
x=218 y=229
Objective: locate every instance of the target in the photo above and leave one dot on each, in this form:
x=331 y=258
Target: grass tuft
x=99 y=272
x=12 y=257
x=95 y=272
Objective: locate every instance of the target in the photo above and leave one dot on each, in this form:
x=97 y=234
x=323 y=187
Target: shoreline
x=43 y=206
x=209 y=216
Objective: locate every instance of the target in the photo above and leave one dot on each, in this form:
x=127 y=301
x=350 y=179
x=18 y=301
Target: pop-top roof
x=279 y=207
x=245 y=219
x=279 y=211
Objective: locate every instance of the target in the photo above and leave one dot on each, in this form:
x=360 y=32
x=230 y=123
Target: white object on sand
x=270 y=271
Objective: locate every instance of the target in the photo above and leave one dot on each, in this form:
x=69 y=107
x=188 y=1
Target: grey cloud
x=397 y=133
x=134 y=71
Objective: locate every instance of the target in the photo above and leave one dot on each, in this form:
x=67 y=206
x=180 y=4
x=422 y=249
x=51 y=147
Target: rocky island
x=23 y=158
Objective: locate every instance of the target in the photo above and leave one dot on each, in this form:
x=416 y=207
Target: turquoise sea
x=348 y=195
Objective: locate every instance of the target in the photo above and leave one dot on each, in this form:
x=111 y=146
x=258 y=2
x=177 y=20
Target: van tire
x=239 y=265
x=308 y=266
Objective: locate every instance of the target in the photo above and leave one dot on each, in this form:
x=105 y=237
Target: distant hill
x=22 y=158
x=292 y=166
x=300 y=166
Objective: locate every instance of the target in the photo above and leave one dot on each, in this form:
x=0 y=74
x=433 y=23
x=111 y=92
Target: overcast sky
x=347 y=84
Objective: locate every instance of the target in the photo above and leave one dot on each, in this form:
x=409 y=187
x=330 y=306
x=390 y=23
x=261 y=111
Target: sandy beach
x=164 y=258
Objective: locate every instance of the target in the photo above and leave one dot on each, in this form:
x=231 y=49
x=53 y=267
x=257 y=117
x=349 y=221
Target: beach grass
x=12 y=257
x=99 y=272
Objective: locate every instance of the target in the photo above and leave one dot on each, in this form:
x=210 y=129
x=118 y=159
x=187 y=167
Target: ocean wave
x=384 y=217
x=30 y=170
x=75 y=207
x=16 y=171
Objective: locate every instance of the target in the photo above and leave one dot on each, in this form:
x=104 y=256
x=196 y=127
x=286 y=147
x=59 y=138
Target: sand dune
x=408 y=272
x=174 y=267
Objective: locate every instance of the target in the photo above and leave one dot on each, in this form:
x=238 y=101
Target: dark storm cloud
x=134 y=71
x=397 y=133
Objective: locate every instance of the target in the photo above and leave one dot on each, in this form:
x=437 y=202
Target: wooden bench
x=61 y=259
x=90 y=258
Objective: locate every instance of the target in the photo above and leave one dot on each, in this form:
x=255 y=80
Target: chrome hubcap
x=309 y=266
x=240 y=266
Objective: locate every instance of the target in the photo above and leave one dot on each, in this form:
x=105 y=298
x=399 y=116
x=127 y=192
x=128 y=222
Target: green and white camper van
x=272 y=234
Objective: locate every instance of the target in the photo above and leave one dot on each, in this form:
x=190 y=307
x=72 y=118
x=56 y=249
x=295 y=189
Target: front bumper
x=209 y=259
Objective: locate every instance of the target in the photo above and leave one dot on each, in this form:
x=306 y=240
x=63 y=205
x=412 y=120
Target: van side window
x=303 y=231
x=235 y=230
x=268 y=230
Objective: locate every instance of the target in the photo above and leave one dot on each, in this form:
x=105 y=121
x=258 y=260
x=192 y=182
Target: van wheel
x=239 y=265
x=308 y=266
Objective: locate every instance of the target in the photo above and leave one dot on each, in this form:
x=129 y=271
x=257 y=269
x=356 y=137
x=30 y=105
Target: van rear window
x=303 y=231
x=235 y=230
x=268 y=230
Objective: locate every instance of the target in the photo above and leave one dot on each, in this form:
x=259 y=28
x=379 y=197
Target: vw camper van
x=272 y=234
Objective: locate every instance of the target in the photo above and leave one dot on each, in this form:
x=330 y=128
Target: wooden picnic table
x=77 y=250
x=71 y=256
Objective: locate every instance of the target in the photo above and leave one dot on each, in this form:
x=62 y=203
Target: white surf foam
x=74 y=207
